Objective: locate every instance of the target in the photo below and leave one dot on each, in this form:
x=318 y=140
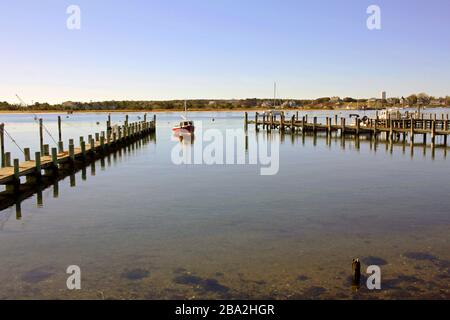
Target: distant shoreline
x=31 y=111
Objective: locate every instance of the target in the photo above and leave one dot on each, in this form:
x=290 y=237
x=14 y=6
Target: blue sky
x=173 y=49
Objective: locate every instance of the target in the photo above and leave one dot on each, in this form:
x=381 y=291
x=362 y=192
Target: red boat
x=185 y=126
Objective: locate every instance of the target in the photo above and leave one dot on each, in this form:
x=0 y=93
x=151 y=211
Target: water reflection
x=51 y=178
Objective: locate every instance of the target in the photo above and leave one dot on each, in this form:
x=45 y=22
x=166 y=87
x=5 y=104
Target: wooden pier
x=51 y=162
x=393 y=128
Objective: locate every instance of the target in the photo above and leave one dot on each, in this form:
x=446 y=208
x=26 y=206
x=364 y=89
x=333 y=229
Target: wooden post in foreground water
x=356 y=272
x=245 y=121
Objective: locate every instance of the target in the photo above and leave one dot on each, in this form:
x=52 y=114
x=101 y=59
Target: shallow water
x=145 y=228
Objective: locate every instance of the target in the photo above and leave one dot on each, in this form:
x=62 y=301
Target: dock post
x=356 y=272
x=2 y=143
x=102 y=141
x=83 y=150
x=245 y=121
x=391 y=129
x=445 y=129
x=342 y=126
x=314 y=125
x=41 y=136
x=92 y=143
x=59 y=129
x=303 y=124
x=16 y=170
x=292 y=123
x=145 y=117
x=26 y=152
x=97 y=137
x=71 y=150
x=7 y=159
x=37 y=158
x=256 y=121
x=375 y=128
x=296 y=115
x=357 y=127
x=329 y=126
x=412 y=129
x=126 y=120
x=336 y=119
x=433 y=130
x=282 y=122
x=60 y=146
x=55 y=157
x=46 y=150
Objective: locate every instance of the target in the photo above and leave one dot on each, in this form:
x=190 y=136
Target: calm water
x=144 y=228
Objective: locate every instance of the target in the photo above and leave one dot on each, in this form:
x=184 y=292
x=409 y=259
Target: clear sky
x=173 y=49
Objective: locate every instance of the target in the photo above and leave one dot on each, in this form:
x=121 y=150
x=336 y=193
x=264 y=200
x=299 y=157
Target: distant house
x=335 y=99
x=290 y=104
x=266 y=104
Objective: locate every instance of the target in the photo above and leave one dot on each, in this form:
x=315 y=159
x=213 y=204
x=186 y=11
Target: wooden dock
x=411 y=127
x=50 y=162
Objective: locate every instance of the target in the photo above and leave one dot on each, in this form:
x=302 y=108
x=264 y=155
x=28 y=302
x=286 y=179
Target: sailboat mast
x=274 y=93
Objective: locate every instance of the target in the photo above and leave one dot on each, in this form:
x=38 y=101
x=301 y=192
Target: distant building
x=383 y=95
x=335 y=99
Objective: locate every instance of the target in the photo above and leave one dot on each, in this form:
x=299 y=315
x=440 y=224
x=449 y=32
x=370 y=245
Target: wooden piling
x=55 y=157
x=256 y=121
x=245 y=121
x=7 y=159
x=46 y=150
x=41 y=136
x=342 y=126
x=16 y=169
x=2 y=144
x=59 y=129
x=26 y=152
x=83 y=150
x=356 y=272
x=411 y=132
x=37 y=160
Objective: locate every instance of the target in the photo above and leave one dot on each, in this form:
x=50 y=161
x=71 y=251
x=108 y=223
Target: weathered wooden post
x=83 y=150
x=102 y=141
x=342 y=126
x=329 y=126
x=71 y=150
x=356 y=272
x=314 y=125
x=59 y=129
x=433 y=131
x=26 y=152
x=16 y=171
x=7 y=159
x=97 y=136
x=358 y=124
x=145 y=117
x=46 y=150
x=55 y=157
x=391 y=129
x=292 y=123
x=37 y=159
x=296 y=115
x=411 y=133
x=2 y=143
x=245 y=121
x=92 y=143
x=126 y=120
x=303 y=124
x=41 y=136
x=336 y=119
x=282 y=121
x=445 y=129
x=60 y=146
x=256 y=121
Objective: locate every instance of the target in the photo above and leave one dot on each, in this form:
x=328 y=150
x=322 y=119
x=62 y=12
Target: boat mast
x=274 y=93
